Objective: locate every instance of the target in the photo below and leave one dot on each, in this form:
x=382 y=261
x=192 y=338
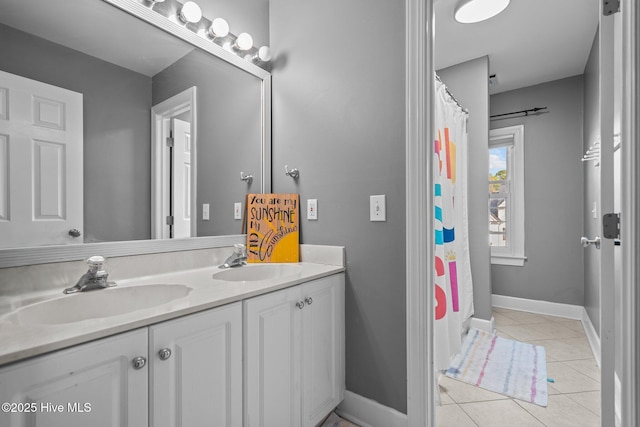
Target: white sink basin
x=97 y=304
x=257 y=272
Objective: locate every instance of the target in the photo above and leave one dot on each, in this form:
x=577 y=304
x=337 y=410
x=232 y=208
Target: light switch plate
x=205 y=211
x=237 y=210
x=377 y=208
x=312 y=209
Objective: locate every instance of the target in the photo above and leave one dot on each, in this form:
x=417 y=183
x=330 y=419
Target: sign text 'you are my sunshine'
x=273 y=228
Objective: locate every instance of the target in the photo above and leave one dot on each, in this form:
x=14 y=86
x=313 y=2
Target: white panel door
x=322 y=348
x=181 y=185
x=199 y=383
x=272 y=359
x=40 y=163
x=93 y=384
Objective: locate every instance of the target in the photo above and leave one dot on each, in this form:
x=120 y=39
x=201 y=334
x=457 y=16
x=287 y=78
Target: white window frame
x=514 y=253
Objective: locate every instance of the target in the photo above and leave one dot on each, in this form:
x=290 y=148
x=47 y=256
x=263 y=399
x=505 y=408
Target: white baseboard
x=568 y=311
x=483 y=325
x=592 y=335
x=369 y=413
x=618 y=401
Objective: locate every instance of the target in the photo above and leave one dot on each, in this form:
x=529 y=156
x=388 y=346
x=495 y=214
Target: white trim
x=630 y=374
x=420 y=118
x=483 y=324
x=568 y=311
x=369 y=413
x=59 y=253
x=592 y=335
x=515 y=222
x=517 y=261
x=618 y=407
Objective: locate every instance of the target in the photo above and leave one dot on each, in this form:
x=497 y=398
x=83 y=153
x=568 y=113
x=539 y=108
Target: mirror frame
x=16 y=257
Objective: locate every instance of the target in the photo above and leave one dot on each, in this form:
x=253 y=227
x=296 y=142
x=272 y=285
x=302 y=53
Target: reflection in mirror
x=121 y=67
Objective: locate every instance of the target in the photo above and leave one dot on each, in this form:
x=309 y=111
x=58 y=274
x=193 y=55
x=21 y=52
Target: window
x=506 y=195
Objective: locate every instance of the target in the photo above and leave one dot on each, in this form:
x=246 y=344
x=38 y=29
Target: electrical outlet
x=377 y=208
x=237 y=210
x=205 y=211
x=312 y=209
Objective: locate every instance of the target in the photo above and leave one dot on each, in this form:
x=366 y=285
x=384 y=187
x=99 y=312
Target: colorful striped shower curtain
x=453 y=286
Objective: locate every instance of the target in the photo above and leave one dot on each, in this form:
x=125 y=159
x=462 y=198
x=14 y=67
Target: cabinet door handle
x=139 y=362
x=300 y=304
x=308 y=300
x=164 y=354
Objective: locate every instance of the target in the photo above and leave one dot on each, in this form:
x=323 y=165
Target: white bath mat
x=508 y=367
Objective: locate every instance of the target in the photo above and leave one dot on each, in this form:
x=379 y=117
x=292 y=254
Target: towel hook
x=248 y=178
x=293 y=173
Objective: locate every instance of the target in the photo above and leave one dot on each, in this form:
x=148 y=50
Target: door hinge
x=170 y=141
x=609 y=7
x=169 y=219
x=611 y=226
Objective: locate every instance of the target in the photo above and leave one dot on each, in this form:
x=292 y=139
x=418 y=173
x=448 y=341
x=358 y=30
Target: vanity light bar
x=217 y=32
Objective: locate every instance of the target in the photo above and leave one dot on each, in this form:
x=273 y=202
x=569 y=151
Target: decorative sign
x=273 y=230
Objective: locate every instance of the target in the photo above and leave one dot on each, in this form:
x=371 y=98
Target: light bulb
x=244 y=41
x=190 y=12
x=219 y=28
x=264 y=54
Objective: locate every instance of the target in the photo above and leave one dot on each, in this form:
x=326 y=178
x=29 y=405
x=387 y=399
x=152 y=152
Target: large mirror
x=138 y=85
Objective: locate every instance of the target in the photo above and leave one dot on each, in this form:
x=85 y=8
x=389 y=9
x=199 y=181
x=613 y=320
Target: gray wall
x=229 y=133
x=339 y=116
x=470 y=85
x=553 y=193
x=591 y=184
x=117 y=174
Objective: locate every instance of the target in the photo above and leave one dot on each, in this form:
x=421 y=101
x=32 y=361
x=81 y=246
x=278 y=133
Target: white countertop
x=22 y=341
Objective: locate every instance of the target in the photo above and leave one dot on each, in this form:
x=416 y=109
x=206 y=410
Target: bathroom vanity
x=253 y=345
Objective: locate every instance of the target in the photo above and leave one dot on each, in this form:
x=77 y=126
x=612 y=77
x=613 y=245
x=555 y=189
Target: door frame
x=419 y=91
x=161 y=115
x=630 y=222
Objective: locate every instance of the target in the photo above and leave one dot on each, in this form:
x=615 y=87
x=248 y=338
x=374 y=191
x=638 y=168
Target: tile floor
x=574 y=398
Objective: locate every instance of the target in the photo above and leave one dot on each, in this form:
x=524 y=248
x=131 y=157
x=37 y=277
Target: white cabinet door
x=272 y=359
x=92 y=384
x=199 y=383
x=322 y=348
x=294 y=354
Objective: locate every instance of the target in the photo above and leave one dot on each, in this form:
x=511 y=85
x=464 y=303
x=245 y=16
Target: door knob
x=164 y=354
x=586 y=242
x=139 y=362
x=74 y=232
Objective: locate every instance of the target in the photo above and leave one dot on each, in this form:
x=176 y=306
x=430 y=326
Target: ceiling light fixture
x=471 y=11
x=190 y=13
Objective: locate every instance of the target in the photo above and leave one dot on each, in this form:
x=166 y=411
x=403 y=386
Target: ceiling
x=531 y=42
x=97 y=29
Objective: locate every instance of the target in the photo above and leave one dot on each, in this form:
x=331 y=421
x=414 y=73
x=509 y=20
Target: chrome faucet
x=238 y=258
x=94 y=278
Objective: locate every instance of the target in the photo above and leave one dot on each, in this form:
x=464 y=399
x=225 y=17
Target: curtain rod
x=451 y=94
x=525 y=112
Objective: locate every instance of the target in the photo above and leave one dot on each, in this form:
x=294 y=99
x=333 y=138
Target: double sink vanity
x=259 y=344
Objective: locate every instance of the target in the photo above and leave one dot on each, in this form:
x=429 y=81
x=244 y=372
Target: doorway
x=419 y=19
x=174 y=128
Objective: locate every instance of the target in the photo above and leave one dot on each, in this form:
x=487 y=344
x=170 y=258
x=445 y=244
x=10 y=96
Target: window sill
x=517 y=261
